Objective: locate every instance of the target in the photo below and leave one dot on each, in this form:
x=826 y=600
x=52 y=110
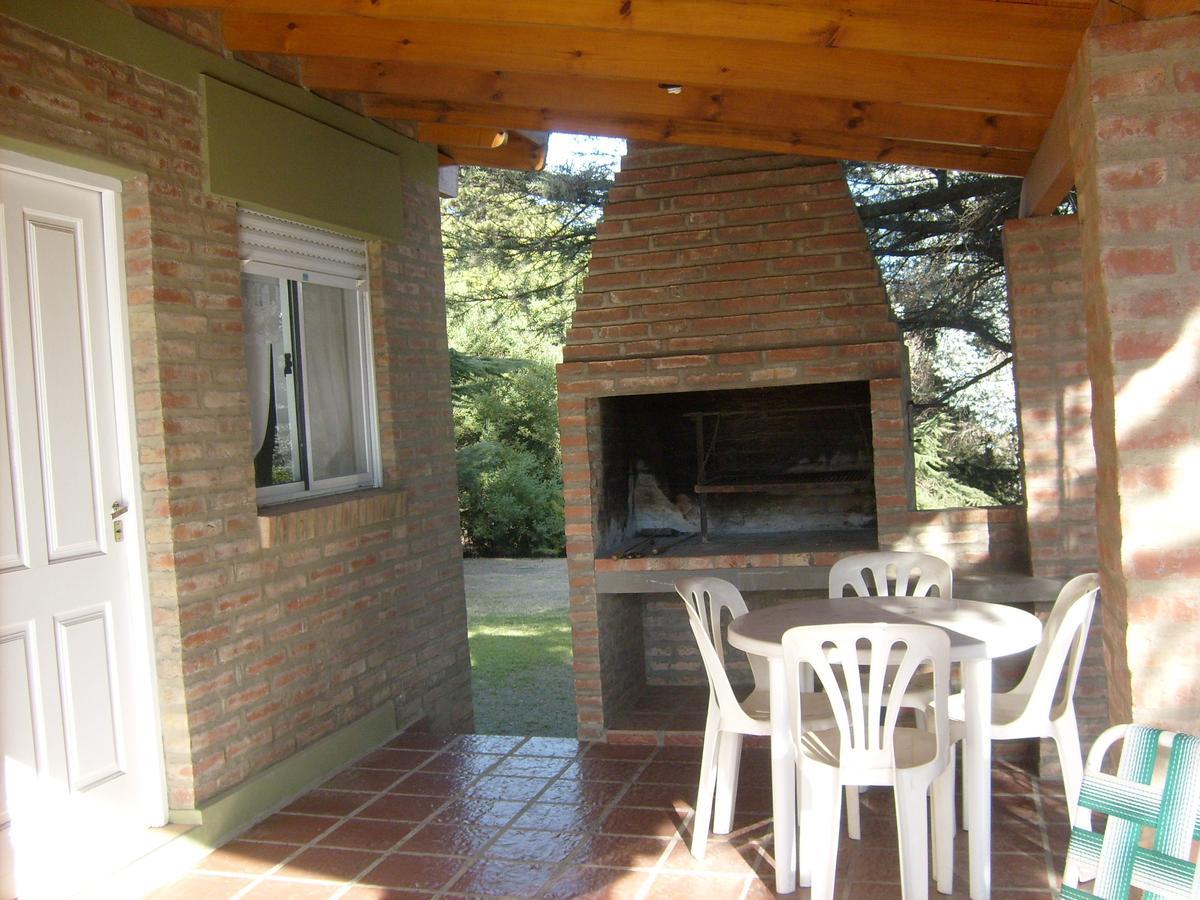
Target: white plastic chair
x=707 y=600
x=888 y=573
x=854 y=665
x=893 y=573
x=1030 y=710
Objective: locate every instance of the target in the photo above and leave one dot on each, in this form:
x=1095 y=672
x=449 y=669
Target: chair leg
x=912 y=832
x=708 y=782
x=729 y=761
x=1065 y=731
x=853 y=816
x=942 y=797
x=822 y=815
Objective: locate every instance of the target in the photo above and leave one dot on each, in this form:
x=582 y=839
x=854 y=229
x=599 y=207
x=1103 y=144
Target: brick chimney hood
x=720 y=274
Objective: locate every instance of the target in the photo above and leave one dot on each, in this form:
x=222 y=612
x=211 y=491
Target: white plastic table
x=979 y=632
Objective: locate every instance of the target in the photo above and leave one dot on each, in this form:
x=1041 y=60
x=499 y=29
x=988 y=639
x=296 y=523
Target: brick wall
x=1054 y=398
x=724 y=269
x=268 y=633
x=1134 y=106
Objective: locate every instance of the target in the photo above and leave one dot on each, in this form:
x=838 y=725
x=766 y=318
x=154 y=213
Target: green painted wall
x=280 y=161
x=367 y=160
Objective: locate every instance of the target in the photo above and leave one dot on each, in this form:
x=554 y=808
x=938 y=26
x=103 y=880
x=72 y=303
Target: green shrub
x=510 y=505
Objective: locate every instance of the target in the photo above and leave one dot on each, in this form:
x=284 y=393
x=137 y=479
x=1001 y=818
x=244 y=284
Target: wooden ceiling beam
x=461 y=135
x=1052 y=172
x=1027 y=33
x=746 y=137
x=518 y=152
x=846 y=74
x=608 y=97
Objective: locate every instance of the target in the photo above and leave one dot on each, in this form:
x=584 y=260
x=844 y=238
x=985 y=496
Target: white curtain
x=330 y=397
x=263 y=317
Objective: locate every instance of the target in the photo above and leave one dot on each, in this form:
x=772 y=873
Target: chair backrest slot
x=889 y=573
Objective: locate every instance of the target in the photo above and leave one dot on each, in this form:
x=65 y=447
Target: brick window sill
x=320 y=517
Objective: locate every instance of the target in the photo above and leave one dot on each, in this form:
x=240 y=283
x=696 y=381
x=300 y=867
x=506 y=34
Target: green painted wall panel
x=275 y=159
x=344 y=135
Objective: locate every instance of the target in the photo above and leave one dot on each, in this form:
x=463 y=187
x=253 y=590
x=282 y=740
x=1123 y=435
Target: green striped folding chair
x=1132 y=803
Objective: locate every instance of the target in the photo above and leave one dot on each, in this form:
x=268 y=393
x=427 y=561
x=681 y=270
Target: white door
x=76 y=773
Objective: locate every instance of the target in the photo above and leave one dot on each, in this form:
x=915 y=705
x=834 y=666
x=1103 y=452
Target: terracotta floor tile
x=367 y=834
x=372 y=892
x=635 y=820
x=666 y=772
x=550 y=746
x=479 y=811
x=291 y=890
x=503 y=878
x=245 y=857
x=414 y=871
x=327 y=864
x=201 y=887
x=420 y=740
x=673 y=885
x=432 y=784
x=463 y=764
x=619 y=751
x=675 y=796
x=402 y=807
x=678 y=754
x=720 y=857
x=583 y=793
x=531 y=766
x=288 y=828
x=534 y=846
x=590 y=769
x=374 y=780
x=592 y=883
x=488 y=743
x=328 y=803
x=458 y=839
x=496 y=788
x=621 y=851
x=394 y=759
x=558 y=817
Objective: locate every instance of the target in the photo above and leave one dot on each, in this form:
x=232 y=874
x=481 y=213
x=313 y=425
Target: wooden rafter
x=610 y=98
x=857 y=75
x=518 y=152
x=462 y=135
x=1034 y=34
x=748 y=137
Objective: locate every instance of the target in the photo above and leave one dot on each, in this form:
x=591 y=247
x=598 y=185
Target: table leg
x=783 y=782
x=977 y=772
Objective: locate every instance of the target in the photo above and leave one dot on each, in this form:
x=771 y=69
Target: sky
x=579 y=150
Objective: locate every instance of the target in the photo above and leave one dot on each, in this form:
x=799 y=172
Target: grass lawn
x=521 y=673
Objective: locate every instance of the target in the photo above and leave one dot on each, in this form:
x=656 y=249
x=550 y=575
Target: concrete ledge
x=999 y=587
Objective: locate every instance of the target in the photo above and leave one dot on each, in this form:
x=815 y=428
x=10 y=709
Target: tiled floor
x=476 y=815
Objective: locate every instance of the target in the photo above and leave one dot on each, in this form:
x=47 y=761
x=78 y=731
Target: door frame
x=148 y=755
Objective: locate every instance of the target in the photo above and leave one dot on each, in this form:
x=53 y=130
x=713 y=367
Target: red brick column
x=1134 y=105
x=1054 y=398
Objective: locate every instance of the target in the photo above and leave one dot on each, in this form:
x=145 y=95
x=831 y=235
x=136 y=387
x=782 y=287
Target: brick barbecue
x=733 y=368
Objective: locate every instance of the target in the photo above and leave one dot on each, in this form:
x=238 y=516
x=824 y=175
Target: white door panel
x=72 y=787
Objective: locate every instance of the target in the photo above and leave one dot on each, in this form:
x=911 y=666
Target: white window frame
x=276 y=259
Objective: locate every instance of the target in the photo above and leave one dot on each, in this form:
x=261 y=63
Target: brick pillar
x=1054 y=398
x=1134 y=104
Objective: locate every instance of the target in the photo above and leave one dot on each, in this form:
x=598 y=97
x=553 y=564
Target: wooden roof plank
x=767 y=139
x=1034 y=34
x=728 y=105
x=461 y=135
x=847 y=74
x=518 y=152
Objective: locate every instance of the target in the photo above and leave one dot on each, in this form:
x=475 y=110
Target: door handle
x=119 y=509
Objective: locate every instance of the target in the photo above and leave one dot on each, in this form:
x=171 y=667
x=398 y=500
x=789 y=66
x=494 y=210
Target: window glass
x=330 y=376
x=270 y=361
